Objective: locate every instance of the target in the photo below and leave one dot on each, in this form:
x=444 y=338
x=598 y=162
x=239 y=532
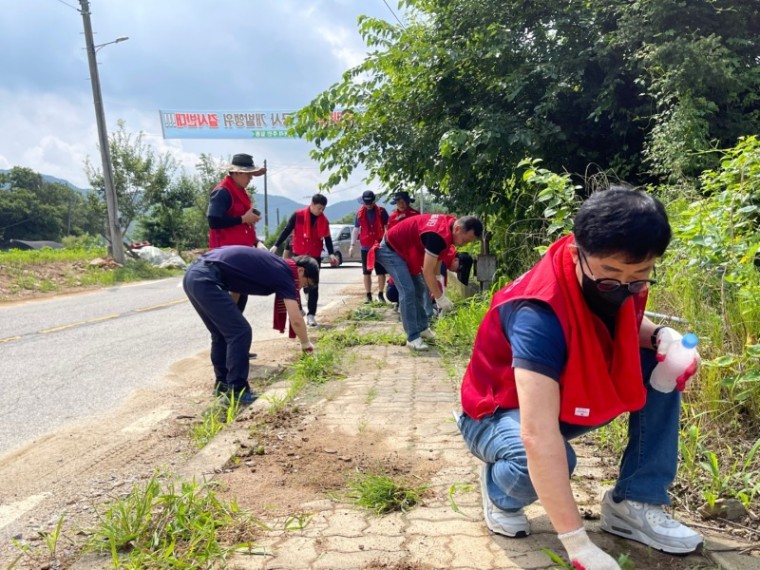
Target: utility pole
x=117 y=247
x=266 y=203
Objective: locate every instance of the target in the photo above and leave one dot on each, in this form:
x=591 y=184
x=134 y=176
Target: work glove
x=307 y=346
x=665 y=338
x=444 y=304
x=584 y=554
x=273 y=249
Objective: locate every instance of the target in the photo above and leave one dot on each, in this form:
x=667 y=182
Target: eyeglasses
x=608 y=285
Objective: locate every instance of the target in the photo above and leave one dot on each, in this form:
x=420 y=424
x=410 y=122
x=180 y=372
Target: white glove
x=444 y=303
x=585 y=554
x=307 y=346
x=261 y=245
x=273 y=249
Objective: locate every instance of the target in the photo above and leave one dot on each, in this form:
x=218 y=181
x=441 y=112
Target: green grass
x=221 y=414
x=49 y=270
x=382 y=494
x=174 y=525
x=365 y=313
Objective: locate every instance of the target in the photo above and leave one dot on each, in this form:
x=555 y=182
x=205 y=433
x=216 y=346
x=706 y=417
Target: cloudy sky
x=181 y=54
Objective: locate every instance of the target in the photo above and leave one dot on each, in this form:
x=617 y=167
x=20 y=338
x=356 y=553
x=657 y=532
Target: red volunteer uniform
x=406 y=237
x=602 y=377
x=240 y=234
x=307 y=240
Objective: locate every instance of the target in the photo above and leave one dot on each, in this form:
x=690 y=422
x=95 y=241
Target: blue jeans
x=230 y=332
x=647 y=468
x=411 y=291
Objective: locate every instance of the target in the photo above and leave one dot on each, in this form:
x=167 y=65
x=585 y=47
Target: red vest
x=602 y=377
x=397 y=216
x=240 y=234
x=307 y=240
x=370 y=233
x=406 y=238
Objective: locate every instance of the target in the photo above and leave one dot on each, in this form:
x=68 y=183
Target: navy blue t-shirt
x=533 y=330
x=253 y=271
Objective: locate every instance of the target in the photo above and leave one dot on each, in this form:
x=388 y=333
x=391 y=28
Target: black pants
x=230 y=332
x=313 y=294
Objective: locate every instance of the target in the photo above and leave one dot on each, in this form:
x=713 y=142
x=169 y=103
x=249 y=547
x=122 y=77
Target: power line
x=69 y=5
x=400 y=23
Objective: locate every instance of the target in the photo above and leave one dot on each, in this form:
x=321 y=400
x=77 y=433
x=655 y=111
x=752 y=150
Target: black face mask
x=603 y=304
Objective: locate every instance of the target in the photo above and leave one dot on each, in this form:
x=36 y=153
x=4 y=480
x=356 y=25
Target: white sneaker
x=417 y=344
x=648 y=524
x=513 y=525
x=427 y=334
x=311 y=320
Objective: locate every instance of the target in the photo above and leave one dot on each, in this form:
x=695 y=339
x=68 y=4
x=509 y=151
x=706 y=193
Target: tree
x=454 y=100
x=33 y=209
x=138 y=174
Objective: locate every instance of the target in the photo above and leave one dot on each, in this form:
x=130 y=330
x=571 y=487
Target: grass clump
x=365 y=313
x=382 y=494
x=350 y=337
x=222 y=413
x=176 y=527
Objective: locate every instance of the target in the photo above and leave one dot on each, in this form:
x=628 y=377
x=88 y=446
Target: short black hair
x=625 y=221
x=471 y=223
x=310 y=267
x=319 y=199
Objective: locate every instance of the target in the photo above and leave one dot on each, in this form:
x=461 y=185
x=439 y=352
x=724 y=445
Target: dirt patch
x=290 y=459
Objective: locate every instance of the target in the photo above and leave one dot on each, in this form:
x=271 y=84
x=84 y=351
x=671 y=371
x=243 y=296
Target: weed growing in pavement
x=222 y=412
x=624 y=561
x=456 y=488
x=371 y=395
x=365 y=313
x=350 y=337
x=382 y=494
x=180 y=526
x=317 y=367
x=298 y=522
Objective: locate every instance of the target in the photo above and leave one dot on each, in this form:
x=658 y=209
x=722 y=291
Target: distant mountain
x=53 y=180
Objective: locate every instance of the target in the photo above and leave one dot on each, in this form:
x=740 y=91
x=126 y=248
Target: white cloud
x=225 y=54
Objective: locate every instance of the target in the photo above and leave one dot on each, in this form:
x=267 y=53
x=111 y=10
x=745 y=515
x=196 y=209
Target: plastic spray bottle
x=678 y=358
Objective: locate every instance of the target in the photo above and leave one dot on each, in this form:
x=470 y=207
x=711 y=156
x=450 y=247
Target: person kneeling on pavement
x=563 y=350
x=252 y=272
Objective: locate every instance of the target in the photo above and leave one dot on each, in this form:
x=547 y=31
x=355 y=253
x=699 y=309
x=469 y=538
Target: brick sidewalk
x=413 y=397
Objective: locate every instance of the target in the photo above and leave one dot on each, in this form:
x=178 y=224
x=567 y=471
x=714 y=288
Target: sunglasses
x=608 y=285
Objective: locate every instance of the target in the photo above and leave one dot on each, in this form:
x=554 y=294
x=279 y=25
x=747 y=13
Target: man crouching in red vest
x=310 y=228
x=411 y=252
x=565 y=349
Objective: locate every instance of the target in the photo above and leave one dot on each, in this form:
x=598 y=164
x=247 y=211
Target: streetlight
x=117 y=247
x=116 y=41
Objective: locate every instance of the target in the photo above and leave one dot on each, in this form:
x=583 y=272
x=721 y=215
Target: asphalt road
x=65 y=359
